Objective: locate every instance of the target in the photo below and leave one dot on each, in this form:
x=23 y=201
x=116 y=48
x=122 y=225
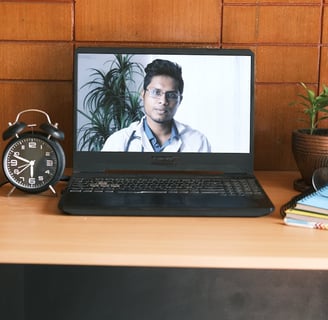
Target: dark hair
x=164 y=67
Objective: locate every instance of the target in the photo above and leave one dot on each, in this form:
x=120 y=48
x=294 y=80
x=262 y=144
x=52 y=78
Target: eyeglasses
x=320 y=181
x=169 y=95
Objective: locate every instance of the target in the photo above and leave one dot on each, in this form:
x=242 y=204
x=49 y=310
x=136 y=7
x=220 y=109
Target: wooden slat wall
x=289 y=38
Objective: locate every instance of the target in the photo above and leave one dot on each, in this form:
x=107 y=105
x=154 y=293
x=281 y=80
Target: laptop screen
x=120 y=93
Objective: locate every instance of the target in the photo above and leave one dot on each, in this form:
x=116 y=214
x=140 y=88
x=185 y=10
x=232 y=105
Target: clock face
x=32 y=162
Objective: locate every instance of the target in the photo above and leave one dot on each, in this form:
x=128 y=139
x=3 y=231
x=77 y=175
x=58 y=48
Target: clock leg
x=11 y=191
x=53 y=190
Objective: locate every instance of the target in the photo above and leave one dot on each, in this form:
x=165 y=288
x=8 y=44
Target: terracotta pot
x=310 y=151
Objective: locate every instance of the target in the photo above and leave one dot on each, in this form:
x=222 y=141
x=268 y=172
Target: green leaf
x=111 y=103
x=313 y=104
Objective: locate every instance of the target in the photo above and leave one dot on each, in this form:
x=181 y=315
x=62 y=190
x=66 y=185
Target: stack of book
x=309 y=210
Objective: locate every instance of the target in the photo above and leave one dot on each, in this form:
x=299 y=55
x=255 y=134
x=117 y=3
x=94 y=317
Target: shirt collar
x=156 y=146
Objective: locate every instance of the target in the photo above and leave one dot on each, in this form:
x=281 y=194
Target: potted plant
x=112 y=102
x=310 y=145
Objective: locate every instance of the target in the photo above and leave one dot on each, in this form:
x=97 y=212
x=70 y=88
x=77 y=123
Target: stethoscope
x=131 y=138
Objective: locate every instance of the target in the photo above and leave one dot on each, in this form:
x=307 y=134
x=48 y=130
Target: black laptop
x=209 y=174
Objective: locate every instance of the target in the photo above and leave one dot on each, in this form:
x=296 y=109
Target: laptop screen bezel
x=87 y=161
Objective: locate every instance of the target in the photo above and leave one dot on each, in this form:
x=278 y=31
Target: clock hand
x=32 y=162
x=23 y=165
x=24 y=168
x=20 y=158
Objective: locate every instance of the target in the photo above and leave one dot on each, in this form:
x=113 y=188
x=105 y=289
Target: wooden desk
x=34 y=231
x=54 y=266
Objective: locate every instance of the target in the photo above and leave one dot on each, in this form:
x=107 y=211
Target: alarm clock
x=33 y=161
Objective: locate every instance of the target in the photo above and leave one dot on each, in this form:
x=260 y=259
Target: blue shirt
x=156 y=146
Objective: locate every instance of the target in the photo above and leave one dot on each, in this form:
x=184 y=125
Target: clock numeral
x=32 y=144
x=48 y=154
x=13 y=162
x=16 y=171
x=40 y=178
x=31 y=180
x=49 y=163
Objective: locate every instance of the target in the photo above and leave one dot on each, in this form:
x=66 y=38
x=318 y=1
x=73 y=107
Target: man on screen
x=157 y=131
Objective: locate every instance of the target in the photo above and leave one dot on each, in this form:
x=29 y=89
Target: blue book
x=314 y=202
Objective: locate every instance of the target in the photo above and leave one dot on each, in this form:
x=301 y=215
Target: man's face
x=161 y=99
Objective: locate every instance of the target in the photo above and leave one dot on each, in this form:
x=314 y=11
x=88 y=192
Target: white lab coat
x=134 y=138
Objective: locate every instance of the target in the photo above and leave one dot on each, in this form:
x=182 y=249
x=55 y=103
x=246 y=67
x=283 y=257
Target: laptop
x=213 y=120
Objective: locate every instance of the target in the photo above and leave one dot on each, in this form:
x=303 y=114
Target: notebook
x=314 y=202
x=211 y=134
x=308 y=203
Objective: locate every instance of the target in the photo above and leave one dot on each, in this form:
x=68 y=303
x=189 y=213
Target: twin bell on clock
x=33 y=160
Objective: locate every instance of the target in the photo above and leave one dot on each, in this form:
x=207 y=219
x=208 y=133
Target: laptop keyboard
x=221 y=186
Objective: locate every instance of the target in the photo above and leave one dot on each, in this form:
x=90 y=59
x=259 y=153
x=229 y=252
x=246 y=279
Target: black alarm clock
x=33 y=161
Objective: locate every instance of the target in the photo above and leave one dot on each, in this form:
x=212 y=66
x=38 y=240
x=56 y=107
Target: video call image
x=114 y=112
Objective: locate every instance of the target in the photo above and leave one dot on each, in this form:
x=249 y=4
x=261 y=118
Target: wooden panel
x=324 y=66
x=24 y=21
x=239 y=24
x=36 y=61
x=324 y=77
x=53 y=97
x=266 y=2
x=325 y=25
x=271 y=24
x=289 y=24
x=274 y=121
x=287 y=64
x=148 y=20
x=39 y=1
